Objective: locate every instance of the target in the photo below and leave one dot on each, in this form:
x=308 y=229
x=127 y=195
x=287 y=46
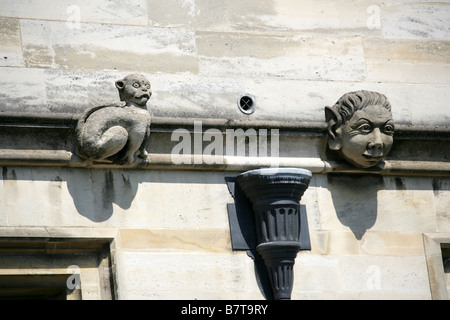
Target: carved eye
x=136 y=85
x=148 y=86
x=389 y=129
x=365 y=128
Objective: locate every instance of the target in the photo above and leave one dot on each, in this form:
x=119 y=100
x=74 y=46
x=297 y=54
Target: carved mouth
x=143 y=96
x=372 y=158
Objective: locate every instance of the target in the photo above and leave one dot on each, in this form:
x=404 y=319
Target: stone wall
x=369 y=230
x=172 y=237
x=294 y=57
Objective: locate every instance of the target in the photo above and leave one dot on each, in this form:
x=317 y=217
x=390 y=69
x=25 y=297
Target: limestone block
x=175 y=275
x=133 y=12
x=410 y=61
x=320 y=16
x=326 y=211
x=392 y=244
x=359 y=295
x=176 y=240
x=333 y=242
x=290 y=57
x=398 y=71
x=196 y=14
x=11 y=49
x=377 y=274
x=35 y=202
x=406 y=206
x=70 y=91
x=262 y=16
x=436 y=113
x=188 y=96
x=202 y=204
x=108 y=47
x=407 y=50
x=304 y=100
x=315 y=273
x=115 y=198
x=348 y=203
x=22 y=89
x=415 y=20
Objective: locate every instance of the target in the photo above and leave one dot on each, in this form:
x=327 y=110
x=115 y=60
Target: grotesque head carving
x=360 y=127
x=134 y=89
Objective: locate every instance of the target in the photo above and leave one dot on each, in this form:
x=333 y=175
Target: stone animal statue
x=117 y=133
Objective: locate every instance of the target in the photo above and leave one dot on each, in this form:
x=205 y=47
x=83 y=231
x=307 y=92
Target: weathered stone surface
x=132 y=12
x=22 y=89
x=176 y=240
x=316 y=273
x=416 y=20
x=414 y=206
x=409 y=61
x=108 y=47
x=263 y=16
x=11 y=49
x=392 y=244
x=328 y=242
x=384 y=274
x=189 y=96
x=217 y=276
x=69 y=91
x=268 y=56
x=78 y=197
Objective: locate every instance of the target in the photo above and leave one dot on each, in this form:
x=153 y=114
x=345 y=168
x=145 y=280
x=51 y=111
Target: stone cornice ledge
x=163 y=161
x=62 y=158
x=163 y=124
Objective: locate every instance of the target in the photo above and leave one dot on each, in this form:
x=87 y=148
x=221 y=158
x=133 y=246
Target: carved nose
x=375 y=146
x=377 y=143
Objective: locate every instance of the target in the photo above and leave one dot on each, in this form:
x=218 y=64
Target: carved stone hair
x=350 y=102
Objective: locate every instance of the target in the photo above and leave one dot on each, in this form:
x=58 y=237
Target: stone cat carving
x=117 y=133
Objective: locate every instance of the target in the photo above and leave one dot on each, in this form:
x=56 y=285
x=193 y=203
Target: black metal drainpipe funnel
x=275 y=195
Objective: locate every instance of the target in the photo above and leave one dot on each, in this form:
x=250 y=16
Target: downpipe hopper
x=274 y=195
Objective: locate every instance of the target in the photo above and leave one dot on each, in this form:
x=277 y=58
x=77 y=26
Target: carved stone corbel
x=117 y=133
x=360 y=128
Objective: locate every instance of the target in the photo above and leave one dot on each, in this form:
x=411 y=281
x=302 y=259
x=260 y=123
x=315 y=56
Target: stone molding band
x=164 y=124
x=62 y=158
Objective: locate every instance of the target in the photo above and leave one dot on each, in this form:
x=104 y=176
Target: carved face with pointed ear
x=134 y=89
x=360 y=127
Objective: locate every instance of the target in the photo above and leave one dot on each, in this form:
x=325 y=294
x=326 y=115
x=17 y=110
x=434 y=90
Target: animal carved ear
x=120 y=84
x=333 y=128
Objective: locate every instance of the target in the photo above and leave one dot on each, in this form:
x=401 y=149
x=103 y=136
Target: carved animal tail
x=79 y=130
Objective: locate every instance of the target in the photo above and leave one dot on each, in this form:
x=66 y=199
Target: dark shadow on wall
x=95 y=191
x=98 y=193
x=355 y=200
